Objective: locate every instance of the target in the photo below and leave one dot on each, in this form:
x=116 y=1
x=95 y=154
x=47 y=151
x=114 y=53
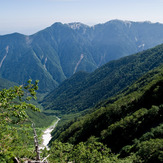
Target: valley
x=85 y=90
x=98 y=98
x=46 y=136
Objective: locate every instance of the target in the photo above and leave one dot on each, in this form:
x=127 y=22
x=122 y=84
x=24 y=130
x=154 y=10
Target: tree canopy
x=13 y=105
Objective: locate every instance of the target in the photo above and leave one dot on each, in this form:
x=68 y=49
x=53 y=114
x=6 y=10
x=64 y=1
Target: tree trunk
x=36 y=144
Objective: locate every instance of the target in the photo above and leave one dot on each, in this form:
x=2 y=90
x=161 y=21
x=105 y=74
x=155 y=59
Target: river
x=46 y=137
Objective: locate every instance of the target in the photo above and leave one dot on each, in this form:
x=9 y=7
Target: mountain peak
x=128 y=21
x=77 y=25
x=56 y=24
x=119 y=21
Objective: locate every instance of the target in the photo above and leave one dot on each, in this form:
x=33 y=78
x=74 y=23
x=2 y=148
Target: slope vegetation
x=6 y=83
x=129 y=124
x=83 y=90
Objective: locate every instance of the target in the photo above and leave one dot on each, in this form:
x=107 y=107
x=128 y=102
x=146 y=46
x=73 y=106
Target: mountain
x=6 y=84
x=85 y=90
x=40 y=119
x=57 y=52
x=130 y=124
x=116 y=38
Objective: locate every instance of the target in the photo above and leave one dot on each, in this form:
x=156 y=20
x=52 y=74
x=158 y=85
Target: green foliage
x=90 y=151
x=151 y=151
x=84 y=91
x=126 y=122
x=12 y=115
x=10 y=107
x=124 y=131
x=6 y=84
x=40 y=119
x=154 y=133
x=59 y=152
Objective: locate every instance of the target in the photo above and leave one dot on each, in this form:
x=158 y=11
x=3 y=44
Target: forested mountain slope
x=40 y=119
x=6 y=83
x=17 y=115
x=57 y=52
x=83 y=90
x=130 y=123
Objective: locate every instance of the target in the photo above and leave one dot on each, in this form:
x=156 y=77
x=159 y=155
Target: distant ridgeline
x=57 y=52
x=85 y=90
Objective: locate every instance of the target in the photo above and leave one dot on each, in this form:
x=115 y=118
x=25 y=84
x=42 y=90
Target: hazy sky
x=29 y=16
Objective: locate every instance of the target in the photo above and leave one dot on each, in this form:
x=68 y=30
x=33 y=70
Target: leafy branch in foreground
x=13 y=105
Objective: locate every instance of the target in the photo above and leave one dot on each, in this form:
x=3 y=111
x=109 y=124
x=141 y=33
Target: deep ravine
x=46 y=137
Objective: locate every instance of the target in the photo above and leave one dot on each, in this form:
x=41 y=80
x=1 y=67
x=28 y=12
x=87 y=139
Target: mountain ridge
x=129 y=125
x=84 y=90
x=57 y=52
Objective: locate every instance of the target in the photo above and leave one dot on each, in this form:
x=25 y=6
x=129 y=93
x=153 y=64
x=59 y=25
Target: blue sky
x=30 y=16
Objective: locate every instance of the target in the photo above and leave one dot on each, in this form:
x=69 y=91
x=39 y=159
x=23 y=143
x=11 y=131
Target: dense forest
x=125 y=128
x=118 y=120
x=84 y=90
